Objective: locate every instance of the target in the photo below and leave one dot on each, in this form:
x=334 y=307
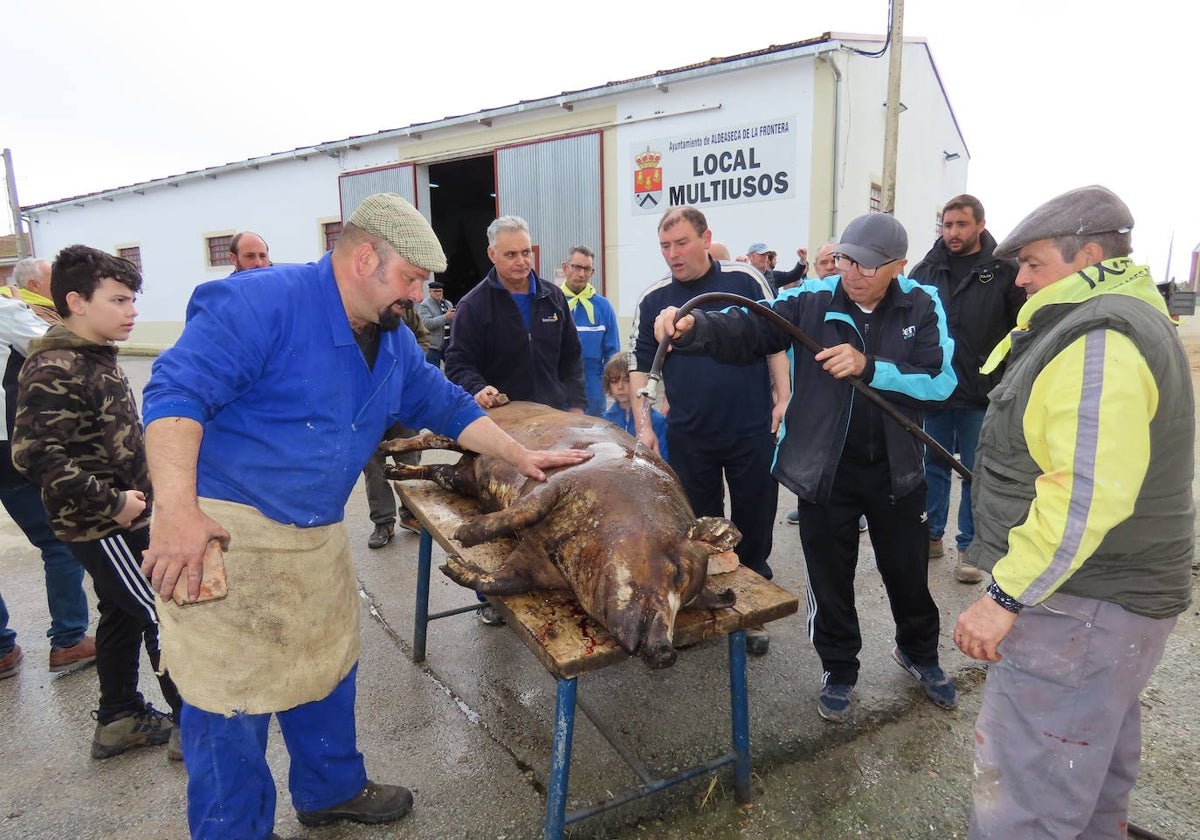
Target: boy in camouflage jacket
x=78 y=436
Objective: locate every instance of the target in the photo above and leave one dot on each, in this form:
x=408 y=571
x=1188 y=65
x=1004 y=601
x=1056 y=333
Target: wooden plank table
x=569 y=643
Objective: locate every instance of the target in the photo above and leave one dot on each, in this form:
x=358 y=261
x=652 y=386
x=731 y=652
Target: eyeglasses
x=585 y=269
x=843 y=263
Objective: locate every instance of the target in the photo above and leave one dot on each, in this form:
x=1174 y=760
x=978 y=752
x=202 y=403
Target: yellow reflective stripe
x=1087 y=426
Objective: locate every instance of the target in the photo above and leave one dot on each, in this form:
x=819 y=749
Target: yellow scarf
x=584 y=293
x=34 y=299
x=1116 y=276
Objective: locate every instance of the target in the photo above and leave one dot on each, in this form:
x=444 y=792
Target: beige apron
x=286 y=634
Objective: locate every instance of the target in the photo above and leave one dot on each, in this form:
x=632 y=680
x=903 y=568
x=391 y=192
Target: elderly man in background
x=1084 y=516
x=32 y=278
x=437 y=315
x=595 y=321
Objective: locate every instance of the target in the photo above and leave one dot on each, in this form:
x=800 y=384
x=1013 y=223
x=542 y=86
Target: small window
x=134 y=254
x=332 y=230
x=937 y=230
x=876 y=202
x=218 y=250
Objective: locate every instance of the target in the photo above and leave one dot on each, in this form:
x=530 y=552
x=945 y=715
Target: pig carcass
x=617 y=529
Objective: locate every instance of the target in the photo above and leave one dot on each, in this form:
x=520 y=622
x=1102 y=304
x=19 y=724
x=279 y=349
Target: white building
x=782 y=145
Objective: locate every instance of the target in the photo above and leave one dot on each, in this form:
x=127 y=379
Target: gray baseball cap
x=1078 y=212
x=757 y=248
x=874 y=239
x=397 y=222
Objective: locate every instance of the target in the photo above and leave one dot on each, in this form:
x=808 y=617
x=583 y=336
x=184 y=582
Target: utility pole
x=891 y=134
x=14 y=205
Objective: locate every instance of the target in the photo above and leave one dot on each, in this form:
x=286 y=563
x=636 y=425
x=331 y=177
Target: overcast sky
x=1049 y=94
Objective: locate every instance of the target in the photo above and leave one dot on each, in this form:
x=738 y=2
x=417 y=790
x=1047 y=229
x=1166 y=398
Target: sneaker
x=964 y=572
x=382 y=535
x=935 y=549
x=147 y=728
x=862 y=524
x=408 y=522
x=10 y=663
x=375 y=804
x=174 y=745
x=934 y=682
x=77 y=655
x=833 y=703
x=757 y=641
x=793 y=518
x=489 y=615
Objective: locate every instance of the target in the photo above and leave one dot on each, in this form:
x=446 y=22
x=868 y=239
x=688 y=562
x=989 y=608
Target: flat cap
x=1078 y=212
x=402 y=226
x=874 y=239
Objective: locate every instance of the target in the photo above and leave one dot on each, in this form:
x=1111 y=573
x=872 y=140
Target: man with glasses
x=839 y=454
x=595 y=321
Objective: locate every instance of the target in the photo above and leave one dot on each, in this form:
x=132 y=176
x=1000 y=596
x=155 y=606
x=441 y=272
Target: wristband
x=1003 y=598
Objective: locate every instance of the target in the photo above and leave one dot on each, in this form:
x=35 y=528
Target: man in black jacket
x=981 y=299
x=839 y=454
x=513 y=333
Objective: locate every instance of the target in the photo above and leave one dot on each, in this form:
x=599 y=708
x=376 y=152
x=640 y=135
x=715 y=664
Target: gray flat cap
x=1078 y=212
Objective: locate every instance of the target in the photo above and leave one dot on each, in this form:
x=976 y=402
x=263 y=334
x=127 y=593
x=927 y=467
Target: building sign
x=730 y=165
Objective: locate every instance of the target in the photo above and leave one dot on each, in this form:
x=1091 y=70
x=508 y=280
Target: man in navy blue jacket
x=723 y=418
x=845 y=458
x=513 y=334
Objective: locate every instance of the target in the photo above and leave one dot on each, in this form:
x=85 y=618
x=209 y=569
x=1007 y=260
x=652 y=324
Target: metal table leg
x=560 y=762
x=739 y=706
x=421 y=622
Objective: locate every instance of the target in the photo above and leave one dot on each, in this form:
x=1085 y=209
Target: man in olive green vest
x=1084 y=516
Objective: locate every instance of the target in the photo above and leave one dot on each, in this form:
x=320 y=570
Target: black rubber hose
x=799 y=335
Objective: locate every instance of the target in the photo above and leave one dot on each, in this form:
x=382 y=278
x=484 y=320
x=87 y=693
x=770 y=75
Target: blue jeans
x=64 y=574
x=231 y=794
x=953 y=428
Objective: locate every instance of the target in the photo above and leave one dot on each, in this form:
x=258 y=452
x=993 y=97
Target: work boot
x=935 y=548
x=382 y=535
x=757 y=641
x=147 y=728
x=77 y=655
x=408 y=522
x=964 y=572
x=10 y=663
x=373 y=805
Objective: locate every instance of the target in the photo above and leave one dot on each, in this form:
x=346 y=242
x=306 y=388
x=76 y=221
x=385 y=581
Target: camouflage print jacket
x=77 y=435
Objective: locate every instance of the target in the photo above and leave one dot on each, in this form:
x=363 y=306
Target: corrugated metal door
x=555 y=186
x=355 y=186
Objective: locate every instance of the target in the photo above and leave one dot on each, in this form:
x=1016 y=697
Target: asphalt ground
x=470 y=729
